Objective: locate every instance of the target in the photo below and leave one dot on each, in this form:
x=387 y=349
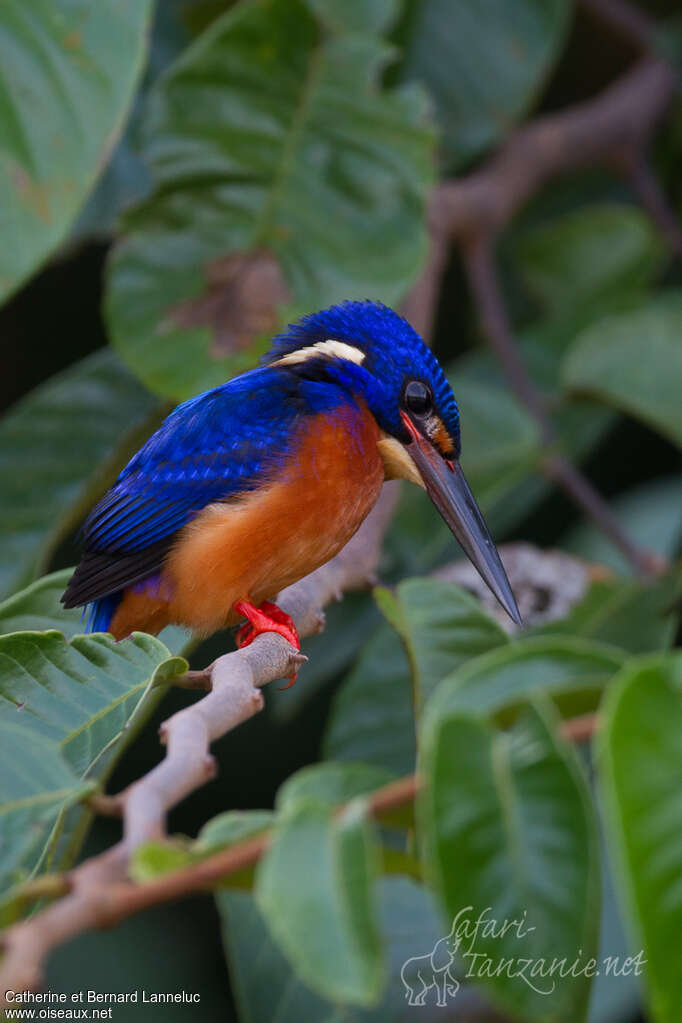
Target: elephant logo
x=420 y=973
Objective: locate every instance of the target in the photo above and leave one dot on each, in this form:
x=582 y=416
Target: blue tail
x=98 y=615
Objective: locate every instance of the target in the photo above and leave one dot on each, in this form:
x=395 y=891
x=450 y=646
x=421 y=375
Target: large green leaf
x=285 y=180
x=84 y=698
x=442 y=627
x=52 y=446
x=69 y=68
x=641 y=768
x=314 y=888
x=589 y=257
x=36 y=785
x=507 y=833
x=410 y=925
x=81 y=693
x=372 y=719
x=483 y=62
x=634 y=361
x=564 y=667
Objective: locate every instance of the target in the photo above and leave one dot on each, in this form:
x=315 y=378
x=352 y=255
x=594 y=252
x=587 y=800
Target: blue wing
x=212 y=448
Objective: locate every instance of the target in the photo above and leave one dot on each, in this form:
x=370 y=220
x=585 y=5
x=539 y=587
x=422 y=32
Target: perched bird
x=250 y=486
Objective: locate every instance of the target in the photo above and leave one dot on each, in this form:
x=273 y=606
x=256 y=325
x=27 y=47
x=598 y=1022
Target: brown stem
x=484 y=281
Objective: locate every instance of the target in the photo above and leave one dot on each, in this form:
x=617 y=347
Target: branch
x=98 y=892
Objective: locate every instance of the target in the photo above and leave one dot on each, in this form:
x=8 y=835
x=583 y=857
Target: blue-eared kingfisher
x=250 y=486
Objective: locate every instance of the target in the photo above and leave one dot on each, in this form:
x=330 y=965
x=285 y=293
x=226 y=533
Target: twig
x=483 y=277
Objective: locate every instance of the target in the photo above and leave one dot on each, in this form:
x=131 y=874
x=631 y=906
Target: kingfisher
x=250 y=486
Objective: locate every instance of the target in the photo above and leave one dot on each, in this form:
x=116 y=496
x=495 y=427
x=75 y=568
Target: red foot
x=266 y=618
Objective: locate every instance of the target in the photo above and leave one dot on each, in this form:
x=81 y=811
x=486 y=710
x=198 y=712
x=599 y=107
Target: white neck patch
x=334 y=349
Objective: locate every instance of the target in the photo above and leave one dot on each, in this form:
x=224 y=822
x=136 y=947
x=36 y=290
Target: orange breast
x=254 y=547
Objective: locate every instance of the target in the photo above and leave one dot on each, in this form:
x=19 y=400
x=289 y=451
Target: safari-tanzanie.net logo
x=457 y=958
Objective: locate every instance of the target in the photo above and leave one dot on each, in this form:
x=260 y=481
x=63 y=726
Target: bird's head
x=373 y=353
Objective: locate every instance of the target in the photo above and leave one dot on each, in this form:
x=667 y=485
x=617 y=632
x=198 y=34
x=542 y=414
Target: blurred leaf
x=162 y=857
x=36 y=784
x=651 y=516
x=442 y=627
x=637 y=616
x=410 y=924
x=85 y=697
x=332 y=783
x=69 y=71
x=230 y=827
x=314 y=888
x=52 y=446
x=507 y=831
x=270 y=145
x=641 y=767
x=634 y=360
x=563 y=667
x=38 y=607
x=371 y=720
x=588 y=256
x=484 y=64
x=156 y=858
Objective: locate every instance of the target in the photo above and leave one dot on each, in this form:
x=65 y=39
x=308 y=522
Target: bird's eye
x=417 y=397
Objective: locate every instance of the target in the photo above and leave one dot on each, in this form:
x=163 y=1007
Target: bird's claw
x=266 y=618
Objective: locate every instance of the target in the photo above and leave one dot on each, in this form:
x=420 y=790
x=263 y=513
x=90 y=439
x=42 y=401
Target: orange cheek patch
x=441 y=438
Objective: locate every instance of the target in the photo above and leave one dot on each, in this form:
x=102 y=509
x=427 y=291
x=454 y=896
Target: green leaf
x=594 y=254
x=52 y=446
x=332 y=783
x=230 y=827
x=641 y=768
x=634 y=361
x=636 y=616
x=36 y=785
x=86 y=698
x=442 y=627
x=162 y=857
x=650 y=514
x=69 y=71
x=372 y=720
x=39 y=607
x=484 y=62
x=507 y=832
x=564 y=667
x=314 y=888
x=410 y=925
x=259 y=216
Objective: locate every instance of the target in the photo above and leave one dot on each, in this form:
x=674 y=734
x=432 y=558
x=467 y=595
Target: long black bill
x=448 y=489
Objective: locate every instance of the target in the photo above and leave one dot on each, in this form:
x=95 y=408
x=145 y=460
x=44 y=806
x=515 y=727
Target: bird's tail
x=99 y=613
